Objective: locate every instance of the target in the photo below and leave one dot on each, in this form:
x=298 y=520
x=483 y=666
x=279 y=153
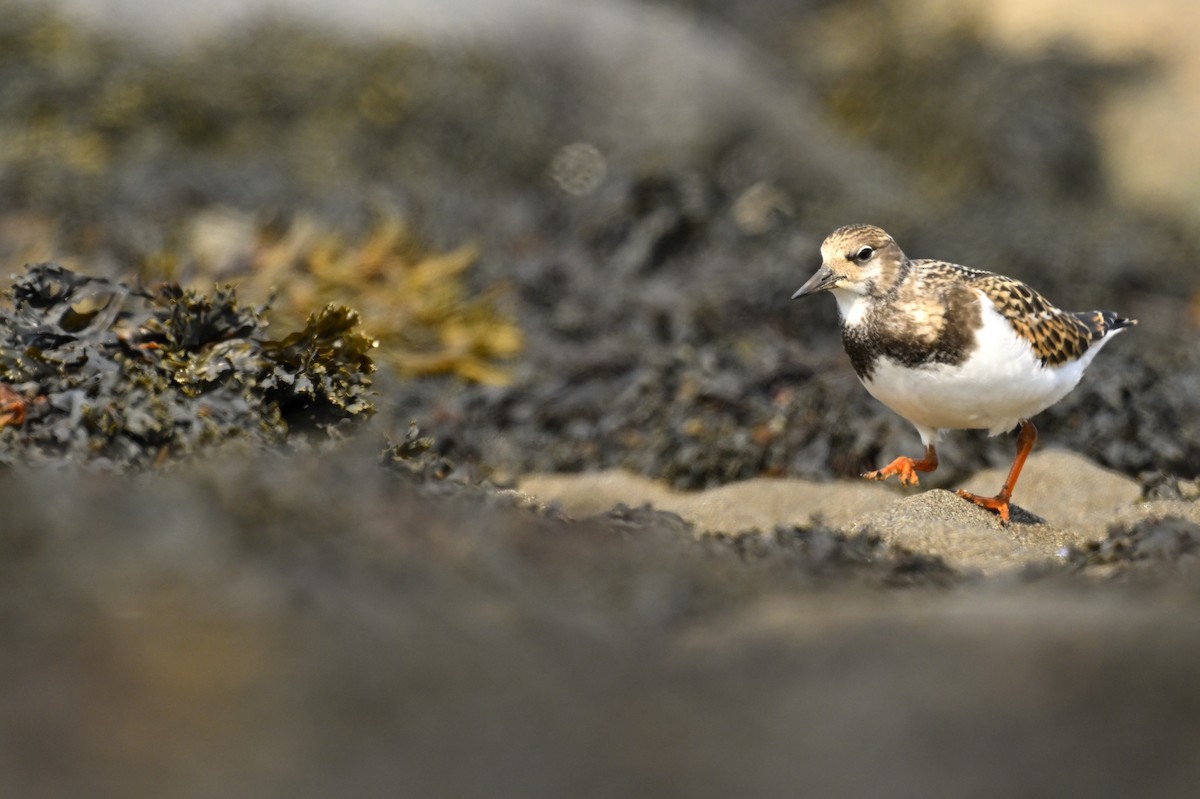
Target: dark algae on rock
x=1143 y=547
x=119 y=376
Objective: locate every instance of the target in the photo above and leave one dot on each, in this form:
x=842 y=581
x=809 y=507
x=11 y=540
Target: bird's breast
x=912 y=332
x=996 y=382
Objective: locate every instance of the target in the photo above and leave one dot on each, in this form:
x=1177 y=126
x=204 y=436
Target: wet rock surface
x=623 y=550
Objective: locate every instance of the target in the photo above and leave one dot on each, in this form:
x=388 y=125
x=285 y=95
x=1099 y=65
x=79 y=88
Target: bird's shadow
x=1018 y=515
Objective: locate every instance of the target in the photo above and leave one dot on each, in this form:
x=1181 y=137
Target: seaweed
x=98 y=133
x=1170 y=540
x=419 y=302
x=125 y=377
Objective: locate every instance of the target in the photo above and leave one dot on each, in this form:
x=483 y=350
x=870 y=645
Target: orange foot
x=907 y=468
x=997 y=504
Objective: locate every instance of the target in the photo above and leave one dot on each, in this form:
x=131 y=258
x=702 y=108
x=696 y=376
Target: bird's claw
x=902 y=467
x=997 y=504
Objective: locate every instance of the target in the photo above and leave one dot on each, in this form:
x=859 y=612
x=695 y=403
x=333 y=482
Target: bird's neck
x=891 y=276
x=852 y=307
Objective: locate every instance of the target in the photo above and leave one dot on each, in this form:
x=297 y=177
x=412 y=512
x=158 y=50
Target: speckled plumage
x=951 y=347
x=930 y=314
x=1056 y=336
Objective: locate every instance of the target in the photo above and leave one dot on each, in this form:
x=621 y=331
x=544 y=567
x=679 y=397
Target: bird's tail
x=1101 y=323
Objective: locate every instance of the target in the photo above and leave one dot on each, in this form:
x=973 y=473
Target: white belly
x=999 y=385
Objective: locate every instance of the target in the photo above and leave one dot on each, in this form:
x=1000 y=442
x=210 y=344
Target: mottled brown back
x=1056 y=336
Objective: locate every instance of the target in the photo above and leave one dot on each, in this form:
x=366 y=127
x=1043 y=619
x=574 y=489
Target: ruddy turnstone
x=949 y=347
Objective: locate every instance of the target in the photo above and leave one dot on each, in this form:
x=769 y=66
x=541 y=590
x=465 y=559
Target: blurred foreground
x=220 y=632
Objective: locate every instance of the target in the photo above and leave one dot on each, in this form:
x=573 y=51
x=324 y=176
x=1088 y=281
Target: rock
x=967 y=537
x=1064 y=500
x=764 y=503
x=593 y=493
x=1160 y=509
x=1066 y=489
x=761 y=503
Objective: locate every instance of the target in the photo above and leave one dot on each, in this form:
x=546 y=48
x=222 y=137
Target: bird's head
x=857 y=259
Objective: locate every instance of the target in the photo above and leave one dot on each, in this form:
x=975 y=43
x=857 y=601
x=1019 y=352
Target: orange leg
x=999 y=503
x=907 y=468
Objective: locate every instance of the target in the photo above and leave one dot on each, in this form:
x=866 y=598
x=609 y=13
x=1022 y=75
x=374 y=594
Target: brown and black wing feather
x=1056 y=336
x=1101 y=323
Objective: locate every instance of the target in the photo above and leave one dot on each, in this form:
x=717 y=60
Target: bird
x=949 y=347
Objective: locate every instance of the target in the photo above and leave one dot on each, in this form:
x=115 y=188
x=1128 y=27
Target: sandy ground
x=1062 y=499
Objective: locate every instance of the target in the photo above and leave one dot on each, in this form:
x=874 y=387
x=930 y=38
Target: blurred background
x=578 y=223
x=574 y=228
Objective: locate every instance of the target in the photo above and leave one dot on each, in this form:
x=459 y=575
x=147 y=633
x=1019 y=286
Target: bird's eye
x=864 y=254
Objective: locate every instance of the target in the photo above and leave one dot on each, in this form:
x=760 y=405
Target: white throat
x=851 y=306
